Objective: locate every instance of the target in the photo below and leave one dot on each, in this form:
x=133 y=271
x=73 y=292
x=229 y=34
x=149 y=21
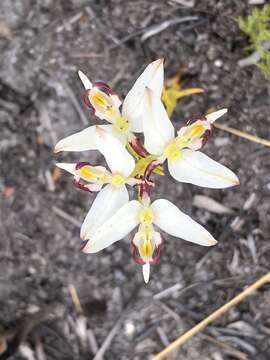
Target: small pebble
x=218 y=63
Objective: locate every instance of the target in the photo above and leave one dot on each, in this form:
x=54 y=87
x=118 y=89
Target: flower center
x=191 y=134
x=117 y=180
x=122 y=124
x=172 y=152
x=146 y=216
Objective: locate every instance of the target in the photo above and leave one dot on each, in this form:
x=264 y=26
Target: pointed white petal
x=158 y=129
x=84 y=79
x=117 y=157
x=69 y=167
x=122 y=137
x=80 y=141
x=174 y=222
x=152 y=77
x=212 y=117
x=197 y=168
x=116 y=100
x=157 y=238
x=107 y=202
x=146 y=272
x=114 y=229
x=85 y=139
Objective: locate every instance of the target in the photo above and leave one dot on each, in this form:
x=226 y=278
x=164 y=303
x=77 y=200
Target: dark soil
x=42 y=45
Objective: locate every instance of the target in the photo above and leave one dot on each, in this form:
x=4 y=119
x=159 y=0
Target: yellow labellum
x=197 y=130
x=86 y=172
x=146 y=249
x=192 y=133
x=172 y=152
x=100 y=100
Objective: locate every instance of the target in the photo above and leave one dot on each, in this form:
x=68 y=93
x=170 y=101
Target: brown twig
x=215 y=315
x=75 y=298
x=227 y=348
x=244 y=135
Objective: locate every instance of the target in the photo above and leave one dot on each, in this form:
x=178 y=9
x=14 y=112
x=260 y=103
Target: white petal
x=94 y=187
x=157 y=238
x=197 y=168
x=146 y=272
x=114 y=229
x=122 y=137
x=80 y=141
x=117 y=157
x=174 y=222
x=69 y=167
x=212 y=117
x=152 y=77
x=116 y=100
x=157 y=127
x=84 y=79
x=85 y=139
x=106 y=203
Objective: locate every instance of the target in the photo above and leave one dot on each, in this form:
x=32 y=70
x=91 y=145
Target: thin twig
x=90 y=55
x=244 y=135
x=40 y=350
x=163 y=336
x=86 y=335
x=75 y=102
x=66 y=216
x=254 y=57
x=75 y=298
x=102 y=27
x=226 y=347
x=215 y=315
x=185 y=3
x=99 y=355
x=155 y=29
x=92 y=341
x=108 y=340
x=168 y=291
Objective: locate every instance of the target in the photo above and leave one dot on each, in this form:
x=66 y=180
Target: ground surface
x=42 y=44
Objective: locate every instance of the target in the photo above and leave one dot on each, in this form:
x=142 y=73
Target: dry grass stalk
x=75 y=298
x=215 y=315
x=228 y=349
x=244 y=135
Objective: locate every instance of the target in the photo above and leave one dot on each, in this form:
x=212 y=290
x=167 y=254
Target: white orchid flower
x=185 y=163
x=114 y=194
x=105 y=104
x=147 y=242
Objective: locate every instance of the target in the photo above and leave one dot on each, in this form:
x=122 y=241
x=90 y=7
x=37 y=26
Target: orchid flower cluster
x=137 y=142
